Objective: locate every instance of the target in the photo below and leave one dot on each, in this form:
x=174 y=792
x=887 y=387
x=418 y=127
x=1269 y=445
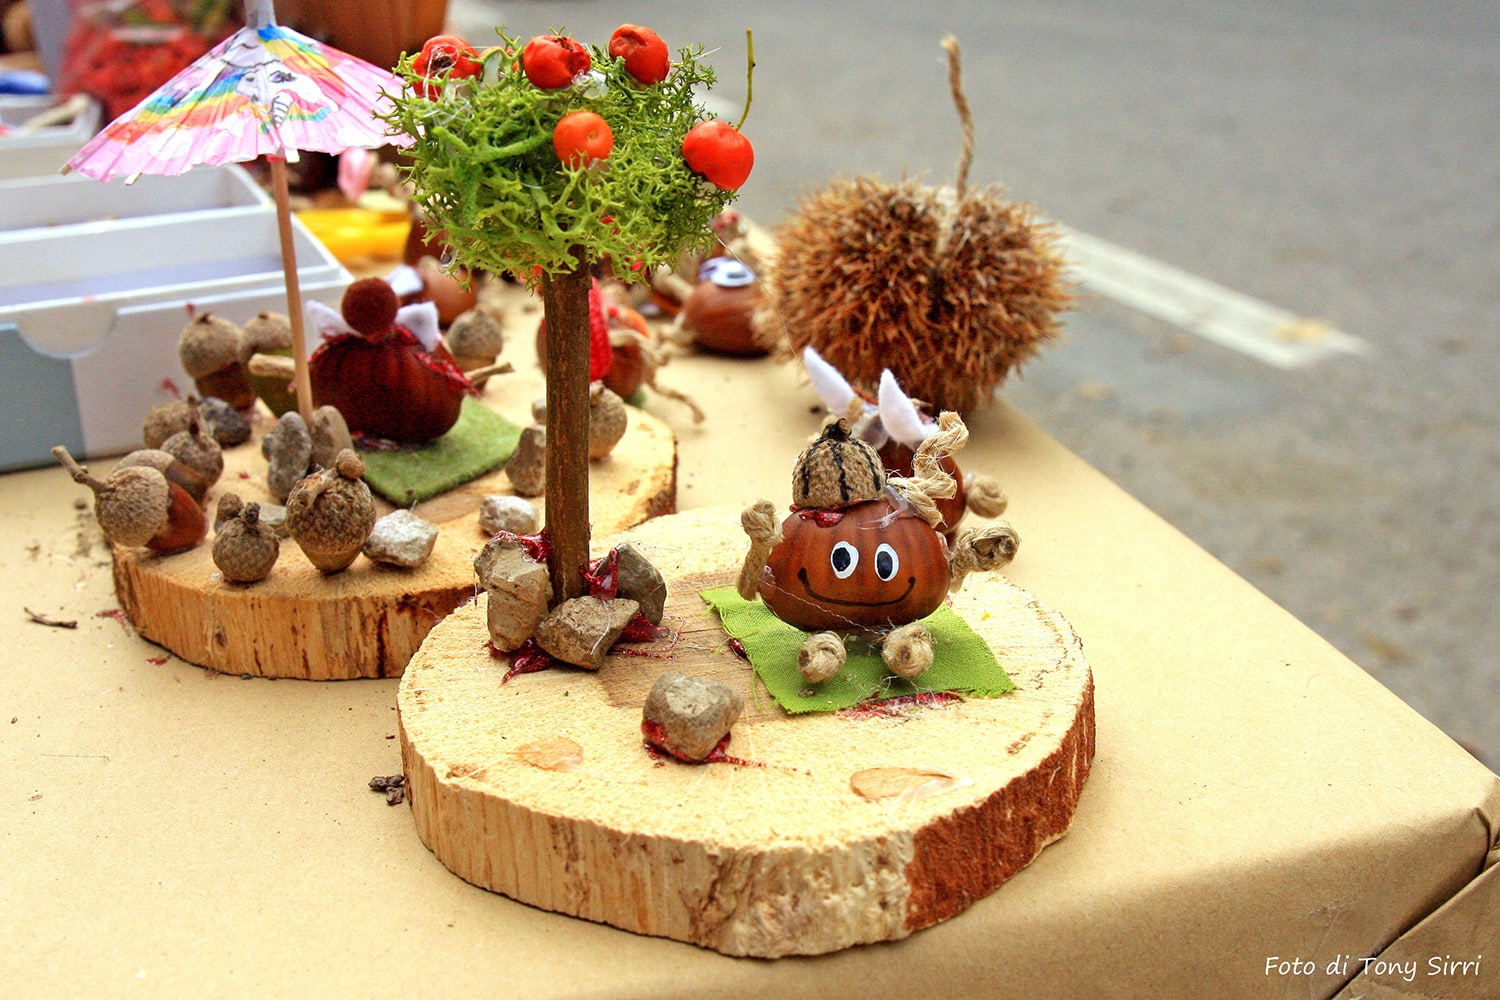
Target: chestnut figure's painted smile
x=911 y=583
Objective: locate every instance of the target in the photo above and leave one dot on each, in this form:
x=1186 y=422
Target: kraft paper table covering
x=172 y=832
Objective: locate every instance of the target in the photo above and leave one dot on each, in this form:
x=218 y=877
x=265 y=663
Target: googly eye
x=843 y=559
x=886 y=561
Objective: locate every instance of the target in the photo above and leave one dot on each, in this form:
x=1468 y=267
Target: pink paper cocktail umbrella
x=265 y=91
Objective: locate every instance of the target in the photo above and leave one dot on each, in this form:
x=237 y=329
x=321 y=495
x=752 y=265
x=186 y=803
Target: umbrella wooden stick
x=293 y=287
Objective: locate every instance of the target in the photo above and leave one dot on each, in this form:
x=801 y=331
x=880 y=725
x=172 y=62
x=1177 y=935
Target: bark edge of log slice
x=367 y=621
x=540 y=788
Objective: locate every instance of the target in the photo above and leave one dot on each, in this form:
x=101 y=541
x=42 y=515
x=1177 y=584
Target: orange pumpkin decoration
x=850 y=558
x=870 y=566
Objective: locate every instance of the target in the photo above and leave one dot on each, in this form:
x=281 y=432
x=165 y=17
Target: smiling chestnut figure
x=860 y=553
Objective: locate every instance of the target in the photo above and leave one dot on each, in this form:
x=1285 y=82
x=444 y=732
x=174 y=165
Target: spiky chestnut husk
x=209 y=349
x=952 y=298
x=330 y=514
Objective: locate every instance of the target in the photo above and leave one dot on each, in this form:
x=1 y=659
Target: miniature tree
x=545 y=159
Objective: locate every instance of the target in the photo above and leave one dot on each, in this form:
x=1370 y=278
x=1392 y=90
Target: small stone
x=519 y=592
x=689 y=717
x=539 y=410
x=288 y=449
x=274 y=514
x=224 y=423
x=527 y=467
x=607 y=421
x=581 y=631
x=401 y=538
x=641 y=582
x=503 y=512
x=330 y=435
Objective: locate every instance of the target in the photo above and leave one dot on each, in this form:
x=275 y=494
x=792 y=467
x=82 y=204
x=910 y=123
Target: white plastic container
x=97 y=281
x=42 y=151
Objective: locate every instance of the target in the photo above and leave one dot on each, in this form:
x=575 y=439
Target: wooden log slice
x=831 y=830
x=368 y=620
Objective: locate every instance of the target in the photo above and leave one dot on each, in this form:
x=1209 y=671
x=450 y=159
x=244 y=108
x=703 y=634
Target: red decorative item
x=877 y=566
x=118 y=54
x=444 y=57
x=720 y=153
x=644 y=52
x=552 y=62
x=380 y=378
x=582 y=138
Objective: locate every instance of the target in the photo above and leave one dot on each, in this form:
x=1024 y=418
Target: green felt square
x=963 y=662
x=481 y=440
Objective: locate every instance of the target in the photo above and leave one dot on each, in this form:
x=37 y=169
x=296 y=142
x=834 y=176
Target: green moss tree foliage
x=485 y=172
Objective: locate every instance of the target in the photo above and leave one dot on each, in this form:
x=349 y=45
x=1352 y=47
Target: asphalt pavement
x=1336 y=161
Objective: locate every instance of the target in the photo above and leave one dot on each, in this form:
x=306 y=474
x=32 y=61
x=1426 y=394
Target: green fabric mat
x=963 y=662
x=481 y=440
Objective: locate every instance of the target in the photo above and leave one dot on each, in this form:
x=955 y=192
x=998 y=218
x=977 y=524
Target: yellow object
x=352 y=234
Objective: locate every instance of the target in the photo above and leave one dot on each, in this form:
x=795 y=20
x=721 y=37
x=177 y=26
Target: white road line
x=1222 y=315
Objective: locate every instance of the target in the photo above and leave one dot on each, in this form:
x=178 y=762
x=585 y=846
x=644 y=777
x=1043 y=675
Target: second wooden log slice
x=820 y=832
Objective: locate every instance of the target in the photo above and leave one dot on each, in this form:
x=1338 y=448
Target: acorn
x=170 y=466
x=476 y=338
x=209 y=349
x=452 y=292
x=607 y=419
x=330 y=513
x=837 y=470
x=197 y=449
x=138 y=506
x=165 y=419
x=245 y=548
x=269 y=333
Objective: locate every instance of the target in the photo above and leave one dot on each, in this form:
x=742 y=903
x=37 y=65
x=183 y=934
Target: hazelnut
x=138 y=506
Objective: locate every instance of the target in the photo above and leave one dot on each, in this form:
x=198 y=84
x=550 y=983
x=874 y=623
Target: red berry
x=554 y=61
x=720 y=153
x=444 y=57
x=644 y=52
x=582 y=137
